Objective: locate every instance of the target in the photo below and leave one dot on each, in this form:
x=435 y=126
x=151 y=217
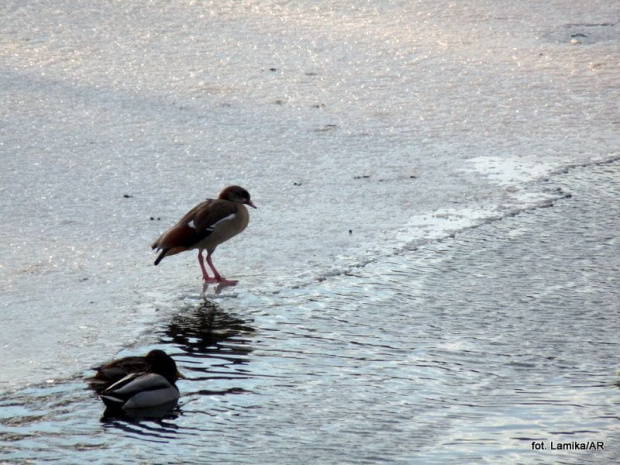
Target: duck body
x=207 y=225
x=140 y=391
x=108 y=374
x=150 y=388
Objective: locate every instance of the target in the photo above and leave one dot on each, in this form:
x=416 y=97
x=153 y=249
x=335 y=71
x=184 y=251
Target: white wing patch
x=226 y=218
x=230 y=217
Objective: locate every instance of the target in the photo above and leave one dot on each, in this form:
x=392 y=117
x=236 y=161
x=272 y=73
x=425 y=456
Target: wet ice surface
x=404 y=124
x=400 y=123
x=463 y=350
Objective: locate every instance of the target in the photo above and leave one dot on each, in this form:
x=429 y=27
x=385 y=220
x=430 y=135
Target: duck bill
x=251 y=204
x=181 y=375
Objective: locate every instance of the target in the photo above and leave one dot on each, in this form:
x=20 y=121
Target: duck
x=147 y=389
x=204 y=227
x=111 y=372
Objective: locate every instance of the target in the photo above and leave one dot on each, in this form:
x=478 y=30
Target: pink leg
x=218 y=277
x=205 y=275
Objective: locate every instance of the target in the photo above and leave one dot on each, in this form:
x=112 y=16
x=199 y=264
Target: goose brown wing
x=197 y=224
x=216 y=212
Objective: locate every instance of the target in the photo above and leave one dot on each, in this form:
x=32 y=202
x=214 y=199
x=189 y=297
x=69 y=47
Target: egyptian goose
x=151 y=388
x=113 y=371
x=206 y=226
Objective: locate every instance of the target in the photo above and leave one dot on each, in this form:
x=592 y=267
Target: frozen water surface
x=373 y=136
x=464 y=350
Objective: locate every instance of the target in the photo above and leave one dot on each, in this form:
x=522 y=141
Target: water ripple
x=461 y=351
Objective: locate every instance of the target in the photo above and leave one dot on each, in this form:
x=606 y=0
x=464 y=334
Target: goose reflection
x=208 y=329
x=216 y=344
x=217 y=289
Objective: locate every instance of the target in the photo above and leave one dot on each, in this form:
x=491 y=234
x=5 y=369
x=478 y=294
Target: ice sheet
x=359 y=129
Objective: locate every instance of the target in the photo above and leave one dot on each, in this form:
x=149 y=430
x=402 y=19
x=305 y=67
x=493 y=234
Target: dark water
x=464 y=350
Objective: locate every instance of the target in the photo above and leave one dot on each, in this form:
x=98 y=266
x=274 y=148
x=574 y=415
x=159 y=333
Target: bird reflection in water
x=219 y=287
x=216 y=345
x=210 y=345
